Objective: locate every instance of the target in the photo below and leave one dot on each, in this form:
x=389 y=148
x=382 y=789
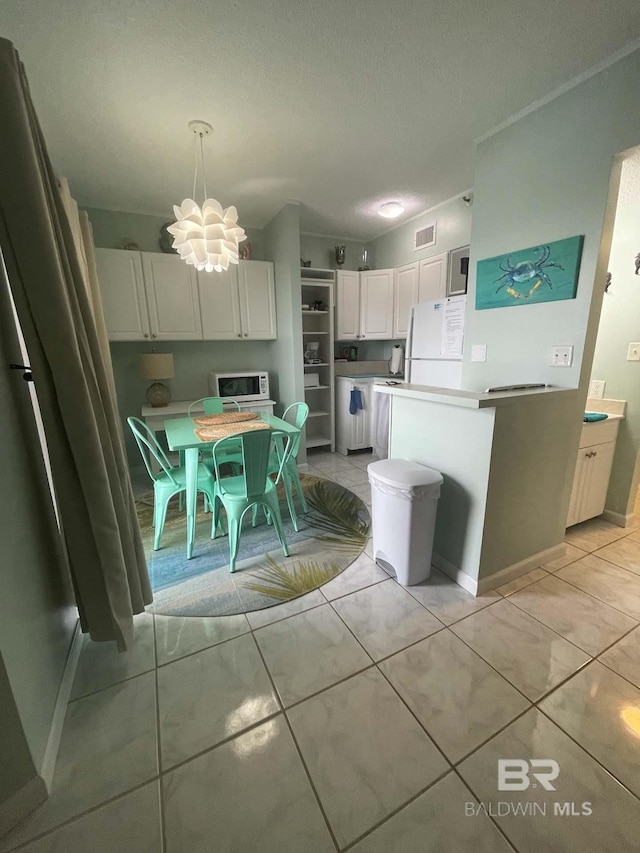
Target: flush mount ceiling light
x=206 y=237
x=391 y=209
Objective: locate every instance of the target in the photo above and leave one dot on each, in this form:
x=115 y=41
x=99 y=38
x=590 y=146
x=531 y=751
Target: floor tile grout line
x=163 y=835
x=488 y=816
x=214 y=645
x=597 y=597
x=586 y=751
x=397 y=810
x=298 y=750
x=109 y=686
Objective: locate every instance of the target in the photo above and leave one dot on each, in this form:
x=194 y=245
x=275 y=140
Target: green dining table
x=181 y=436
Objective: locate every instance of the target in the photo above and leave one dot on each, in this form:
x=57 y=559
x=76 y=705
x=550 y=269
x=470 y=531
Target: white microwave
x=246 y=385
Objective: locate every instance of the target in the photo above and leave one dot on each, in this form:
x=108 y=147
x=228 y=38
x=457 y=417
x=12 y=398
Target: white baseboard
x=57 y=721
x=618 y=518
x=22 y=803
x=461 y=578
x=514 y=571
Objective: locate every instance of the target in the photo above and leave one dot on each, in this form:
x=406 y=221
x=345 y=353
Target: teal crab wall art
x=544 y=273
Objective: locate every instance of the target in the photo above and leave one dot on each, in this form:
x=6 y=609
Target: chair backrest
x=147 y=443
x=296 y=414
x=255 y=449
x=213 y=405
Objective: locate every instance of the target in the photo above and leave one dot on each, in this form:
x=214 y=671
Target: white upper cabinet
x=220 y=305
x=347 y=305
x=123 y=299
x=432 y=280
x=405 y=294
x=376 y=304
x=256 y=291
x=153 y=295
x=172 y=297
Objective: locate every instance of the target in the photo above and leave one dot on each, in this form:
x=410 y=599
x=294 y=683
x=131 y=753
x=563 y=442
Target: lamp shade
x=156 y=365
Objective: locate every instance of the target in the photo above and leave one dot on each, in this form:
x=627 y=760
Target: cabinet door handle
x=239 y=334
x=246 y=334
x=146 y=334
x=595 y=453
x=153 y=335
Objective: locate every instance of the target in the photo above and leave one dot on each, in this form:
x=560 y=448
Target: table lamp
x=157 y=365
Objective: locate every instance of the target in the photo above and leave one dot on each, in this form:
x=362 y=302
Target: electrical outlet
x=561 y=356
x=596 y=389
x=633 y=353
x=479 y=352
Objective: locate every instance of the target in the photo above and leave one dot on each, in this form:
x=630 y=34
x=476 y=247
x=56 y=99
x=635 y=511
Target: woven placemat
x=225 y=418
x=213 y=433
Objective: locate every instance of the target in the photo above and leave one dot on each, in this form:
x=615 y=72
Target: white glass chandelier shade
x=207 y=237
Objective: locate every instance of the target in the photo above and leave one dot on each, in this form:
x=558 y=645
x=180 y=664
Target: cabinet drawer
x=599 y=432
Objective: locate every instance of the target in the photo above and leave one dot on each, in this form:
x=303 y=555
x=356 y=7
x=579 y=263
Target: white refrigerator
x=434 y=342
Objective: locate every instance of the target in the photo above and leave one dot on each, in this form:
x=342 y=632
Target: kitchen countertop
x=388 y=376
x=471 y=399
x=610 y=417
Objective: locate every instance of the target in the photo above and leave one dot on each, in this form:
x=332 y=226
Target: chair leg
x=215 y=520
x=161 y=514
x=254 y=515
x=290 y=502
x=181 y=502
x=234 y=540
x=295 y=476
x=274 y=508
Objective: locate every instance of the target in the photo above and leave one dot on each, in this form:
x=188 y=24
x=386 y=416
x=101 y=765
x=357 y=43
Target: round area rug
x=330 y=537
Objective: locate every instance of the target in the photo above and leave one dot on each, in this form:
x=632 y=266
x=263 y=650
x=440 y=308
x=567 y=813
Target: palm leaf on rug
x=298 y=577
x=338 y=512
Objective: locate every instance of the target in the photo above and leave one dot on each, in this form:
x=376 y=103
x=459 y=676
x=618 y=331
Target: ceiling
x=338 y=105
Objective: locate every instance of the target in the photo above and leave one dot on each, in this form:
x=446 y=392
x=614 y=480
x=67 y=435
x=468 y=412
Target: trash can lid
x=403 y=473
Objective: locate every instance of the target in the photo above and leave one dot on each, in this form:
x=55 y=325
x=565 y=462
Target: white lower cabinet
x=593 y=469
x=353 y=432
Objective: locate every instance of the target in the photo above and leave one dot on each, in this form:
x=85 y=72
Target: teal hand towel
x=590 y=417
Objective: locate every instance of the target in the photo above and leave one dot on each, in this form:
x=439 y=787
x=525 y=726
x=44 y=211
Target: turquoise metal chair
x=212 y=405
x=252 y=488
x=296 y=414
x=170 y=480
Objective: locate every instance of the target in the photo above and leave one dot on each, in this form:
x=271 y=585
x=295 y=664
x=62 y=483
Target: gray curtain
x=52 y=279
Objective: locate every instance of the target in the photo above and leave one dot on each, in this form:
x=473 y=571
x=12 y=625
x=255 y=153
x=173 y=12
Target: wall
x=395 y=248
x=37 y=613
x=111 y=226
x=619 y=325
x=321 y=252
x=543 y=178
x=282 y=246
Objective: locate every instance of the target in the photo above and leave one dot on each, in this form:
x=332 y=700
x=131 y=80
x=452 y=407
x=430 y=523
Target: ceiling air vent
x=425 y=237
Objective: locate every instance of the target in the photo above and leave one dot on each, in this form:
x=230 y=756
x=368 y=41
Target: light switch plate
x=561 y=356
x=633 y=353
x=596 y=389
x=479 y=352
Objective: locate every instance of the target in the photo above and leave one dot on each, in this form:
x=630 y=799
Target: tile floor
x=364 y=716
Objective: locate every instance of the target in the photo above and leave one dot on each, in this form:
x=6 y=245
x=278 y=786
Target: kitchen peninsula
x=503 y=505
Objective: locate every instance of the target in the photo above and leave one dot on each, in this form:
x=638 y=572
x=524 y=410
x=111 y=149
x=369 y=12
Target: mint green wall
x=543 y=178
x=282 y=246
x=321 y=252
x=395 y=248
x=37 y=613
x=111 y=226
x=619 y=325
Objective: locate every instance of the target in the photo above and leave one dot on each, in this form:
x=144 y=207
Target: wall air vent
x=425 y=237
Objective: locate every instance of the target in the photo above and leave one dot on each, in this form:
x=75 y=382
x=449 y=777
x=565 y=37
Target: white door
x=122 y=291
x=405 y=294
x=171 y=286
x=220 y=305
x=347 y=305
x=597 y=480
x=257 y=300
x=432 y=280
x=376 y=304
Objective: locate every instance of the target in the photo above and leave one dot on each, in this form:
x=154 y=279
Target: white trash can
x=404 y=502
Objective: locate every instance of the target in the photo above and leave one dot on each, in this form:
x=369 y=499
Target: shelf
x=313 y=270
x=314 y=312
x=318 y=414
x=316 y=282
x=316 y=387
x=321 y=364
x=314 y=333
x=318 y=441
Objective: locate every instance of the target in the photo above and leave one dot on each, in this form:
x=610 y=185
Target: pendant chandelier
x=206 y=237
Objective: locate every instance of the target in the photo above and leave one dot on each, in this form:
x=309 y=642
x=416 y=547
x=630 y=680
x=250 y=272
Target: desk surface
x=179 y=407
x=181 y=431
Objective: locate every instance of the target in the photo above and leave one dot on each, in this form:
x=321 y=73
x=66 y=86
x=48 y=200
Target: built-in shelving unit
x=318 y=286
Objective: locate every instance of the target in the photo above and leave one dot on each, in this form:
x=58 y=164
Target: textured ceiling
x=630 y=180
x=339 y=105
